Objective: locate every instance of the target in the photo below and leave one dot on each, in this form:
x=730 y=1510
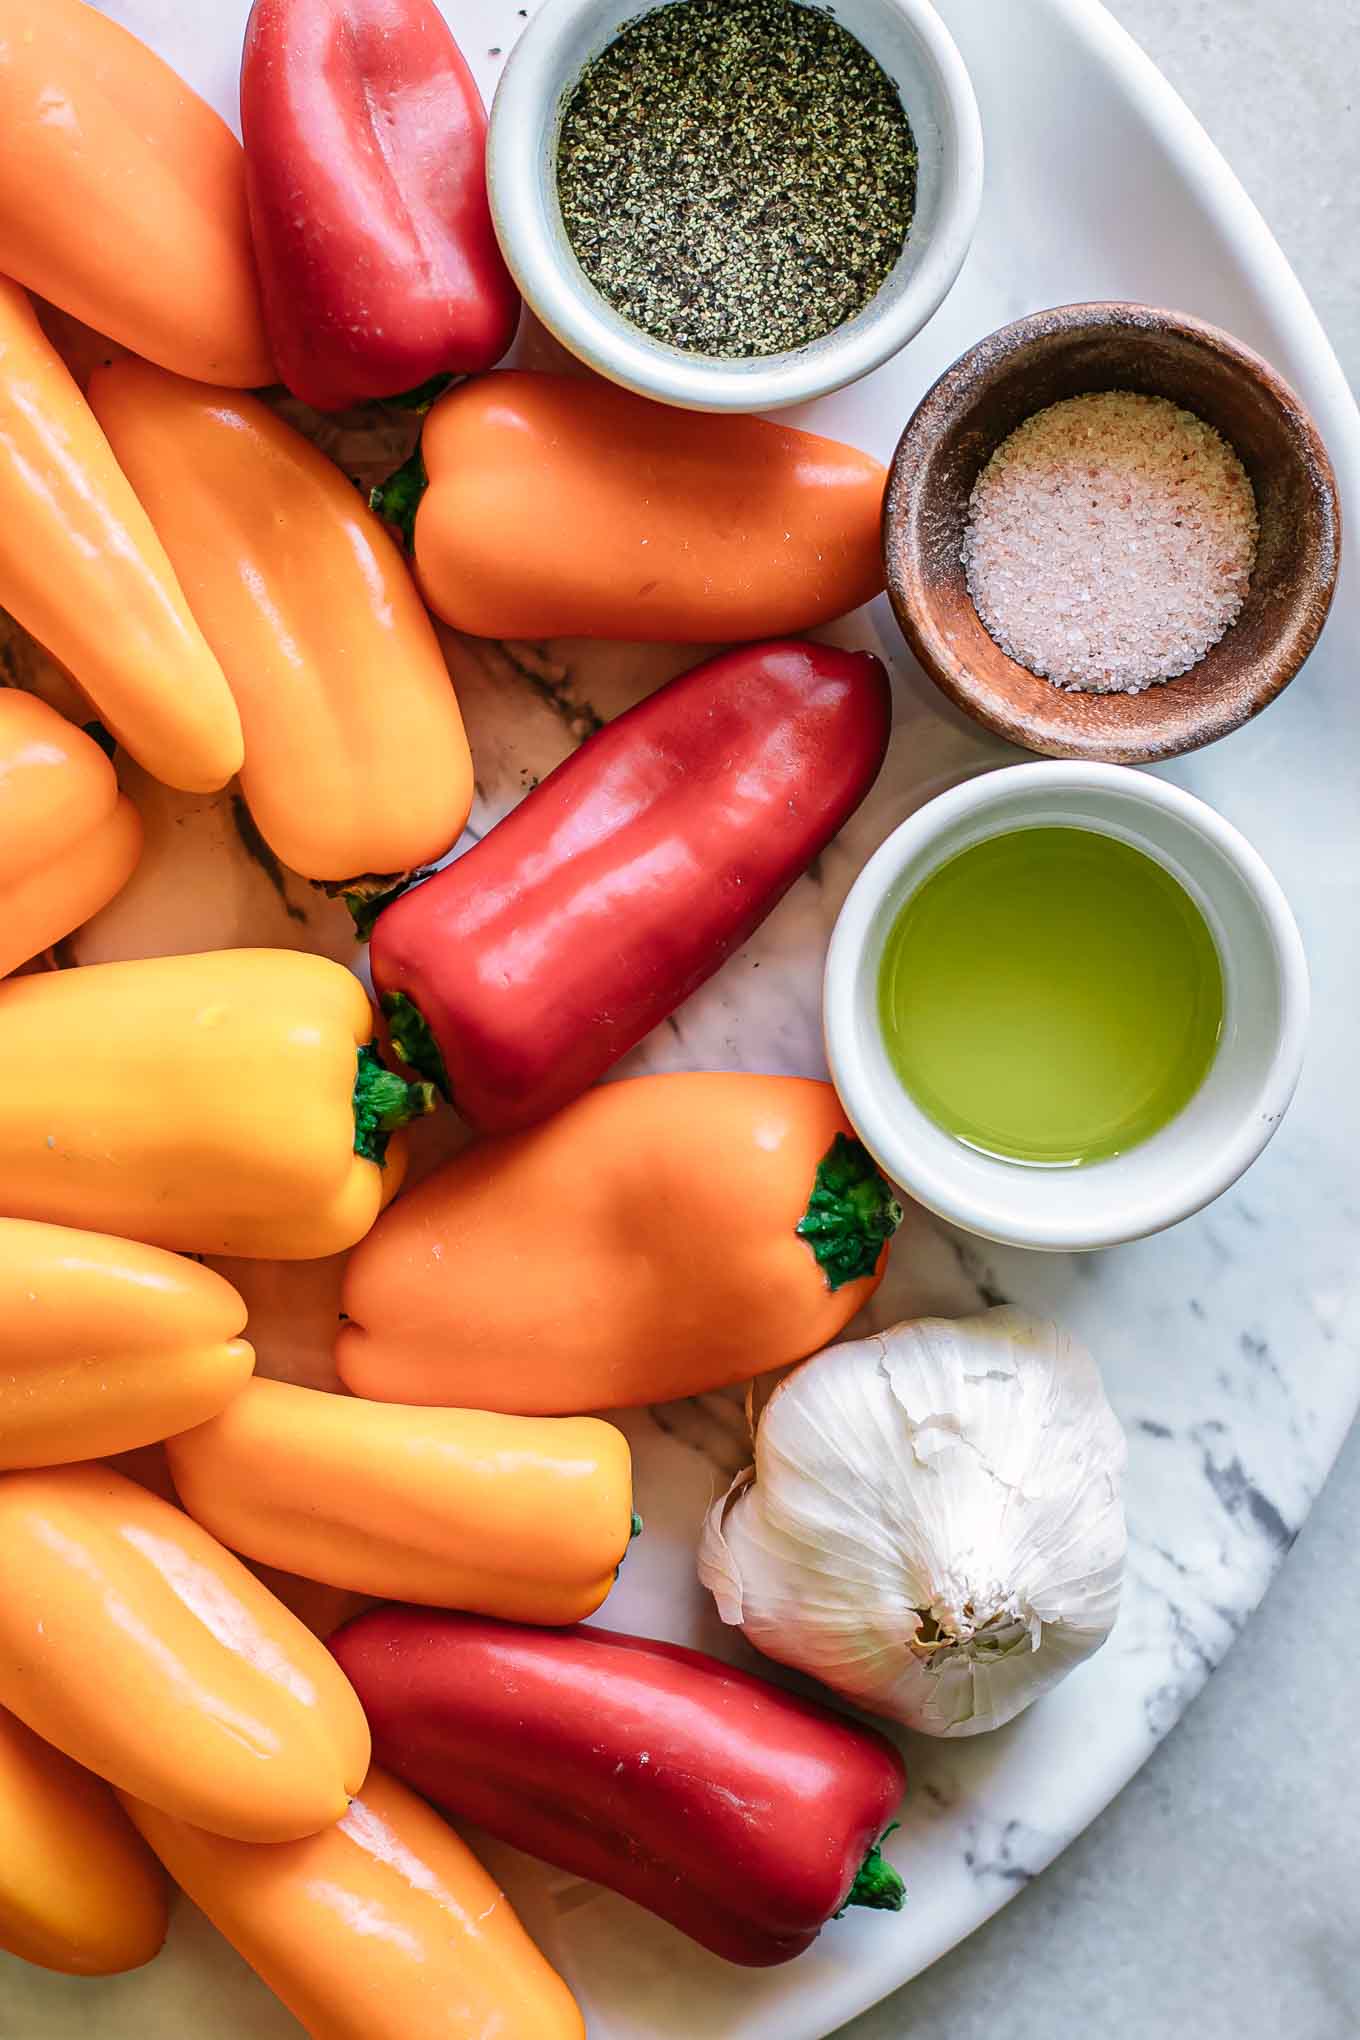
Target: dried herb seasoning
x=736 y=177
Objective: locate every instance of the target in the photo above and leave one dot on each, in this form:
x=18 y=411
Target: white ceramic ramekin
x=1225 y=1125
x=913 y=46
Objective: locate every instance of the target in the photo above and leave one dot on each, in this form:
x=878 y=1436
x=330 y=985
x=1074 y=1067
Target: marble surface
x=1220 y=1894
x=1231 y=1345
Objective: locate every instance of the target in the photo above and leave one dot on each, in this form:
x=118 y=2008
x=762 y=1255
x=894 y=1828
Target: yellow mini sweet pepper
x=526 y=1518
x=80 y=566
x=106 y=1344
x=68 y=839
x=79 y=1889
x=230 y=1103
x=383 y=1927
x=130 y=1640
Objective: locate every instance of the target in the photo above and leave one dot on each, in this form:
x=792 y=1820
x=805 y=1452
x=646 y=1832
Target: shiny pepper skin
x=122 y=194
x=382 y=1927
x=745 y=1816
x=516 y=1516
x=79 y=1890
x=106 y=1344
x=227 y=1103
x=130 y=1640
x=560 y=506
x=83 y=571
x=356 y=761
x=365 y=142
x=68 y=839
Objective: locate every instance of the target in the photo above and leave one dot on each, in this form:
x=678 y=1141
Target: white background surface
x=1219 y=1897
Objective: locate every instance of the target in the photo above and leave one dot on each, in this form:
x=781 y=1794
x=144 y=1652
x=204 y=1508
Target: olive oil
x=1051 y=996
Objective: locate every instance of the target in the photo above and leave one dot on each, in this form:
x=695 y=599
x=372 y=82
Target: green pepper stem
x=413 y=1039
x=398 y=498
x=367 y=896
x=850 y=1213
x=877 y=1884
x=634 y=1530
x=423 y=395
x=383 y=1101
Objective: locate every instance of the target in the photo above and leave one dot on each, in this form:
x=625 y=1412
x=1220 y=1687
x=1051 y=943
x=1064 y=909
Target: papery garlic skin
x=933 y=1524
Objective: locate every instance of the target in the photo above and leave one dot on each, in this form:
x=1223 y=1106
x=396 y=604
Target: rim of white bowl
x=1001 y=1215
x=525 y=109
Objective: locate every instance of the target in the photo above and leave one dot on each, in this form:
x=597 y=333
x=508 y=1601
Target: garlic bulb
x=933 y=1524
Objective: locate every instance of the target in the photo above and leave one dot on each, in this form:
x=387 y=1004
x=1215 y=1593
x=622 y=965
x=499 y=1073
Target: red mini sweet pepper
x=518 y=975
x=745 y=1816
x=365 y=141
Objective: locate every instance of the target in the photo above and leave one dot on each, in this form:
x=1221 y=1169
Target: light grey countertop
x=1219 y=1897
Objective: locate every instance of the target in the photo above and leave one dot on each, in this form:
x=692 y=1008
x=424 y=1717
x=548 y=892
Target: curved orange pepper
x=356 y=760
x=132 y=1641
x=385 y=1927
x=642 y=1244
x=227 y=1103
x=68 y=839
x=522 y=1517
x=559 y=506
x=83 y=571
x=79 y=1889
x=106 y=1344
x=123 y=196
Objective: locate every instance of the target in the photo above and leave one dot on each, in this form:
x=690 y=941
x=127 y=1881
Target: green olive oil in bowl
x=1051 y=995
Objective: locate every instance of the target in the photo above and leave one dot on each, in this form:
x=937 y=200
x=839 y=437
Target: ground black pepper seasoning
x=736 y=177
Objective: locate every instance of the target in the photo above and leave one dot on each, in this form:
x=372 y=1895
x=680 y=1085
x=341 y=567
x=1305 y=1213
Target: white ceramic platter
x=1231 y=1346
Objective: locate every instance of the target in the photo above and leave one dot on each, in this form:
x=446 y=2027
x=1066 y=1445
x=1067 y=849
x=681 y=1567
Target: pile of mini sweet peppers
x=229 y=604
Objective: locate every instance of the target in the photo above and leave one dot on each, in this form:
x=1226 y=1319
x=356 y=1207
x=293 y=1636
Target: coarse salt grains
x=1110 y=541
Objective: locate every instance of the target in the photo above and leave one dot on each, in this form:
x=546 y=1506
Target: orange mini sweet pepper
x=79 y=1889
x=356 y=761
x=133 y=1642
x=68 y=839
x=526 y=1518
x=654 y=1239
x=384 y=1927
x=106 y=1344
x=82 y=570
x=559 y=506
x=123 y=195
x=229 y=1103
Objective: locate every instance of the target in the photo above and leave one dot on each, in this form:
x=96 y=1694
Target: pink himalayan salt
x=1110 y=541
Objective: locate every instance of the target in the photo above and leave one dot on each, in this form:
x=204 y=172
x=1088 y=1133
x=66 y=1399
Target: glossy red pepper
x=743 y=1815
x=365 y=140
x=518 y=975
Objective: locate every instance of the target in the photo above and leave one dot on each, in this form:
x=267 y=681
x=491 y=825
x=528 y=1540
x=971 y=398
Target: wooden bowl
x=1064 y=353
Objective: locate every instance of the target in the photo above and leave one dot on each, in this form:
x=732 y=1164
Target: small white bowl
x=1197 y=1154
x=914 y=48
